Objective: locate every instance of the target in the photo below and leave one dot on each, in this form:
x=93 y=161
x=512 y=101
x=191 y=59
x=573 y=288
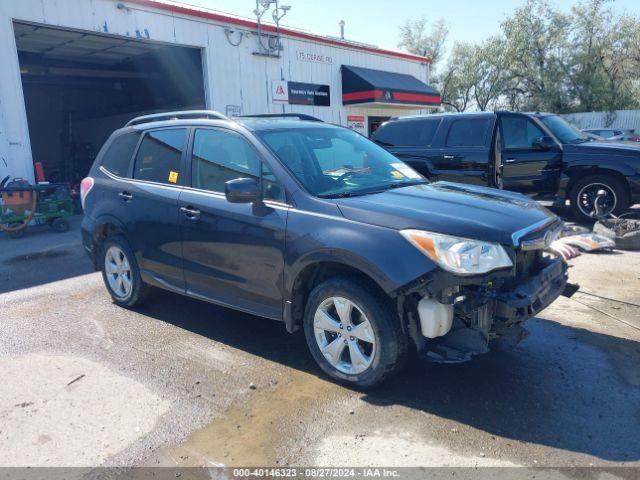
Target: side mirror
x=543 y=143
x=242 y=190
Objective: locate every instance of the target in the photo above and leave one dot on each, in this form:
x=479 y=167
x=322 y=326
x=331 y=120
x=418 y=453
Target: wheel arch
x=577 y=175
x=313 y=274
x=106 y=226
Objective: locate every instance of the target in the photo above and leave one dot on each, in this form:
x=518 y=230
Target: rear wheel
x=354 y=333
x=121 y=274
x=585 y=191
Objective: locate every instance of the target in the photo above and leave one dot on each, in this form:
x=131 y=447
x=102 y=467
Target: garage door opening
x=81 y=86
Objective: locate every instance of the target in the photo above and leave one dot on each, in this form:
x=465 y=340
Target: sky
x=377 y=21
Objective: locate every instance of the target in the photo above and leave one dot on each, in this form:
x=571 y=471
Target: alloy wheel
x=344 y=335
x=118 y=272
x=587 y=199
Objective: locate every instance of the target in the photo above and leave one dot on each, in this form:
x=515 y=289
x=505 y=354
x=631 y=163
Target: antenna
x=273 y=44
x=341 y=23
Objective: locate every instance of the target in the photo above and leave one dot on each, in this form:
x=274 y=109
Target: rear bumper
x=86 y=230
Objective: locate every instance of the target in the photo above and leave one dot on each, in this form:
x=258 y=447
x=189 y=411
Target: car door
x=466 y=153
x=151 y=202
x=233 y=252
x=528 y=165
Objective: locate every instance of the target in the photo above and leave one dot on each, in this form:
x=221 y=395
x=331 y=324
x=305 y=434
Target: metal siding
x=621 y=119
x=233 y=75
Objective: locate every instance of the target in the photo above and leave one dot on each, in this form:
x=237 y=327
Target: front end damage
x=452 y=318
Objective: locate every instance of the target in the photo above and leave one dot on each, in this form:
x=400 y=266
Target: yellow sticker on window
x=397 y=174
x=173 y=177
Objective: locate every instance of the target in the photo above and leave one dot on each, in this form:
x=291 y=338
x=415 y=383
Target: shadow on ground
x=566 y=388
x=42 y=256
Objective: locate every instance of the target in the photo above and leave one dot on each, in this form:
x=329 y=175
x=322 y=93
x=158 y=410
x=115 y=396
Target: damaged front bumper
x=467 y=316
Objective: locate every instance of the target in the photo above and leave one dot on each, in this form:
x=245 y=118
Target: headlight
x=462 y=256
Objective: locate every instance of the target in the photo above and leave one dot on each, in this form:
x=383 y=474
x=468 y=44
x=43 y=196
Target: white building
x=75 y=70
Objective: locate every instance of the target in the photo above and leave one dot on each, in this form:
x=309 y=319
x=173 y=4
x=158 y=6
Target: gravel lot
x=86 y=383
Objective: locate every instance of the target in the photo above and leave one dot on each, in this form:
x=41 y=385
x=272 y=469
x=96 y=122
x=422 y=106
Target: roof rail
x=156 y=117
x=299 y=116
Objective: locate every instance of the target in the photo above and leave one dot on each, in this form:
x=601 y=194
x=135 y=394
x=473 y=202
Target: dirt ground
x=183 y=383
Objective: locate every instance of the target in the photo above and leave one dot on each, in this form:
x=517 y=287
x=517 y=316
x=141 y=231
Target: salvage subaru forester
x=316 y=226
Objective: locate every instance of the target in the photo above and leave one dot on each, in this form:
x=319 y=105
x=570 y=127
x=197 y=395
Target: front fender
x=381 y=253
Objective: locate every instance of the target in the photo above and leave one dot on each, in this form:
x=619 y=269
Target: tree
x=415 y=38
x=535 y=36
x=542 y=59
x=456 y=80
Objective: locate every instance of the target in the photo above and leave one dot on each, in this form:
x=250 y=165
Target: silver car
x=628 y=135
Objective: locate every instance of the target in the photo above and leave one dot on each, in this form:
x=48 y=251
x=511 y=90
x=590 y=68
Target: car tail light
x=85 y=187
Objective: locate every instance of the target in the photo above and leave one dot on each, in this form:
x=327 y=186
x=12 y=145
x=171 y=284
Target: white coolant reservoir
x=435 y=318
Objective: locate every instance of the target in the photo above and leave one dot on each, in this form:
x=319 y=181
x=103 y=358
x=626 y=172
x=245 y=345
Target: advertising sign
x=356 y=122
x=279 y=91
x=309 y=94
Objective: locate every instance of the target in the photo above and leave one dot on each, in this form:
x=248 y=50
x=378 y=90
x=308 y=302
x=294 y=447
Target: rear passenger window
x=405 y=133
x=468 y=132
x=117 y=158
x=158 y=158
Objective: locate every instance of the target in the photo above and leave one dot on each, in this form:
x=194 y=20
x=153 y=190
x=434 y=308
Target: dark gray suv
x=314 y=225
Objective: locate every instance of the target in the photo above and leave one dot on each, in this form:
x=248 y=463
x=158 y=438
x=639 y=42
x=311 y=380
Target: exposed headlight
x=461 y=256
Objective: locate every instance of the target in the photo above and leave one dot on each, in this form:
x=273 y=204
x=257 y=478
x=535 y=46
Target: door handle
x=449 y=157
x=125 y=196
x=510 y=160
x=190 y=212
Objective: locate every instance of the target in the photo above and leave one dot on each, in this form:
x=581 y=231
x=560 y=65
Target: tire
x=16 y=233
x=136 y=294
x=384 y=358
x=615 y=189
x=60 y=225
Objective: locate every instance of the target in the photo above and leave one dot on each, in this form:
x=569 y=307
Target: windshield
x=336 y=162
x=563 y=130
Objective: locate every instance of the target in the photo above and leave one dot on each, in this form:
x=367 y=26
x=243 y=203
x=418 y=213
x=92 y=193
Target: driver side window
x=519 y=132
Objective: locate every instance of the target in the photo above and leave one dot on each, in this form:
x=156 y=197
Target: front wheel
x=583 y=195
x=354 y=333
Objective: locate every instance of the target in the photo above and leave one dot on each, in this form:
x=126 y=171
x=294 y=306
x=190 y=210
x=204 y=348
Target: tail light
x=85 y=187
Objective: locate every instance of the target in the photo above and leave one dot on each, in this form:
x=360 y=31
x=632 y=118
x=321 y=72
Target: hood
x=619 y=148
x=451 y=208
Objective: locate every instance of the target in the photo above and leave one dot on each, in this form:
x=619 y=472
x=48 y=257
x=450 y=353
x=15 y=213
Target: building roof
x=212 y=15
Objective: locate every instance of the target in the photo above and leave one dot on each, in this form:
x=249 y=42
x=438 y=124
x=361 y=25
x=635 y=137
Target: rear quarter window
x=159 y=156
x=118 y=156
x=407 y=133
x=468 y=132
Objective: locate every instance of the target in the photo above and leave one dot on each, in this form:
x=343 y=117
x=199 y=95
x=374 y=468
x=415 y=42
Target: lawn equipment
x=22 y=203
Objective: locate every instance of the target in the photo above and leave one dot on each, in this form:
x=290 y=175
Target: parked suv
x=538 y=154
x=316 y=226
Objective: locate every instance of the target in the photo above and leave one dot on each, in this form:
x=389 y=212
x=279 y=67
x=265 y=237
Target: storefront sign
x=279 y=91
x=309 y=94
x=314 y=57
x=356 y=122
